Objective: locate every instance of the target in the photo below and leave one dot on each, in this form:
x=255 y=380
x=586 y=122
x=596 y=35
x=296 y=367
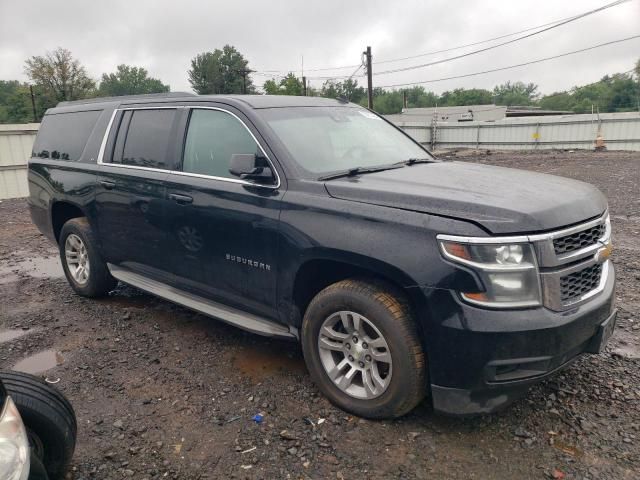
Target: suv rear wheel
x=362 y=349
x=83 y=266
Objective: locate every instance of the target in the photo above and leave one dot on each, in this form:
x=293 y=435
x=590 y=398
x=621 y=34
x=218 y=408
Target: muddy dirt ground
x=162 y=392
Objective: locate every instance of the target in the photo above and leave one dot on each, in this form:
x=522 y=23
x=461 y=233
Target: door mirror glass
x=251 y=167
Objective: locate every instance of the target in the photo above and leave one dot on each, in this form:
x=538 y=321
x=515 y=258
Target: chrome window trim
x=103 y=145
x=105 y=138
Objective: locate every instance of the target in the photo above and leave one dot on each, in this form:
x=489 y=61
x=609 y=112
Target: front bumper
x=482 y=360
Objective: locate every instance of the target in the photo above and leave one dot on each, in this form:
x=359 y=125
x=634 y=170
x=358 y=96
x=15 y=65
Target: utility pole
x=304 y=85
x=244 y=72
x=33 y=104
x=369 y=79
x=404 y=99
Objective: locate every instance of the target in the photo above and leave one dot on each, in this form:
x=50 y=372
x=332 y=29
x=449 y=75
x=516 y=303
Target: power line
x=513 y=40
x=426 y=54
x=513 y=66
x=554 y=23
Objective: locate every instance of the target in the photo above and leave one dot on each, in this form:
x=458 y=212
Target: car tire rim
x=77 y=259
x=355 y=355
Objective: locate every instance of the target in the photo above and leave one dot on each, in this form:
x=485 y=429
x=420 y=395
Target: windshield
x=330 y=139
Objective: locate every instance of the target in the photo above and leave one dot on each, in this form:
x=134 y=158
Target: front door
x=222 y=231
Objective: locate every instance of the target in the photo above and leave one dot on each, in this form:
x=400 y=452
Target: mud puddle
x=263 y=361
x=628 y=351
x=40 y=362
x=626 y=344
x=10 y=335
x=38 y=267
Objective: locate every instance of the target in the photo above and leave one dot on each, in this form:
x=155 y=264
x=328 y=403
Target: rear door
x=223 y=231
x=131 y=191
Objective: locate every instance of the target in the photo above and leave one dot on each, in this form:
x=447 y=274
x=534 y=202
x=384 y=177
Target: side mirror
x=249 y=166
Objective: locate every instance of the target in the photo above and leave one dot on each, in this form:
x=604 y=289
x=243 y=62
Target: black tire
x=48 y=417
x=385 y=307
x=100 y=281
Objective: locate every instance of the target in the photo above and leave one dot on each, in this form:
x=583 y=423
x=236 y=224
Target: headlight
x=508 y=272
x=14 y=445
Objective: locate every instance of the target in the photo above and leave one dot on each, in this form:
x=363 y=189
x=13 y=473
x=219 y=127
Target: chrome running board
x=233 y=316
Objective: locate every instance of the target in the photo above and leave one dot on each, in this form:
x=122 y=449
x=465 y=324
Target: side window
x=63 y=136
x=144 y=143
x=212 y=138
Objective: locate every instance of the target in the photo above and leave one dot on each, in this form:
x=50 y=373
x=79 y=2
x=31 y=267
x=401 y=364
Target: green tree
x=418 y=97
x=557 y=101
x=385 y=102
x=220 y=71
x=60 y=75
x=288 y=85
x=7 y=89
x=462 y=96
x=516 y=93
x=128 y=80
x=347 y=88
x=613 y=93
x=15 y=102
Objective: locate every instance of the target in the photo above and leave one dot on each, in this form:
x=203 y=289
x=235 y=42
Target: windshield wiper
x=352 y=172
x=413 y=161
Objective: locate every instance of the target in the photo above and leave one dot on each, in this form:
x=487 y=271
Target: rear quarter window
x=63 y=136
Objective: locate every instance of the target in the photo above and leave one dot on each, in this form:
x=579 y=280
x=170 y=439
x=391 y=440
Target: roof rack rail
x=125 y=97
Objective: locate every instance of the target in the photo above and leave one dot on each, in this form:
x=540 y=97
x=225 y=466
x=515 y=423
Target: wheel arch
x=61 y=212
x=321 y=268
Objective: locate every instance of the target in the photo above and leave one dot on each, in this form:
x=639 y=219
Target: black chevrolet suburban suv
x=402 y=276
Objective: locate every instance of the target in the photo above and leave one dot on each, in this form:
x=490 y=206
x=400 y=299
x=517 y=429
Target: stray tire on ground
x=48 y=417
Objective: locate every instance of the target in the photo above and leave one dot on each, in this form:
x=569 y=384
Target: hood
x=502 y=200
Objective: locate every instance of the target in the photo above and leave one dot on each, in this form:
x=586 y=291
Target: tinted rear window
x=63 y=136
x=147 y=138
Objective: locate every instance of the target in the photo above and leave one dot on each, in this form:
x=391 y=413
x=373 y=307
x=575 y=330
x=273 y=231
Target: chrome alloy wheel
x=355 y=355
x=77 y=258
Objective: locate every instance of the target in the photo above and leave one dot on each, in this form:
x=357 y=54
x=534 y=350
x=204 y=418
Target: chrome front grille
x=577 y=284
x=578 y=240
x=570 y=273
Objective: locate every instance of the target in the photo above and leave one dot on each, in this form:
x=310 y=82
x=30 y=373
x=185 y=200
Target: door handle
x=181 y=199
x=107 y=184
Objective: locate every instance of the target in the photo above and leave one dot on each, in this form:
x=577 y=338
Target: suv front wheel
x=362 y=349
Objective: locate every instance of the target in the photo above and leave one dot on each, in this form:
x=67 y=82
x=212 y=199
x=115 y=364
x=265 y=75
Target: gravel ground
x=162 y=392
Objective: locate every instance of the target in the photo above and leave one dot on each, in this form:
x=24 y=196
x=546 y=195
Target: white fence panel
x=419 y=131
x=620 y=131
x=16 y=142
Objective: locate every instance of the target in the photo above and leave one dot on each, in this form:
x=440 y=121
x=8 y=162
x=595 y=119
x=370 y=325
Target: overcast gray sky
x=163 y=36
